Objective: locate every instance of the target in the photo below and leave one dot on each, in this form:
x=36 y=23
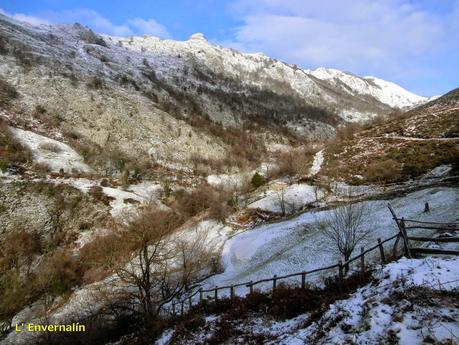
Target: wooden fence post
x=190 y=303
x=173 y=309
x=232 y=291
x=200 y=295
x=216 y=294
x=362 y=261
x=303 y=280
x=181 y=308
x=401 y=227
x=274 y=282
x=381 y=251
x=340 y=268
x=394 y=249
x=405 y=238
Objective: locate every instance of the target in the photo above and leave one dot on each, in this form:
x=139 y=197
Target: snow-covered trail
x=297 y=244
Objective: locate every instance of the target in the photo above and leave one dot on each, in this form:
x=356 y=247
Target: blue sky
x=414 y=43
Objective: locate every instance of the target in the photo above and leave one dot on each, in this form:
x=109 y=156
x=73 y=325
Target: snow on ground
x=440 y=171
x=317 y=163
x=87 y=300
x=386 y=92
x=393 y=310
x=143 y=193
x=410 y=302
x=293 y=197
x=55 y=154
x=297 y=244
x=229 y=181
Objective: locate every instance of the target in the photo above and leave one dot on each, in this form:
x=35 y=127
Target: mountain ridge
x=133 y=94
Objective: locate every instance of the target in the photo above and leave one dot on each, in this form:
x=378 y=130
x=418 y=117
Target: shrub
x=203 y=198
x=7 y=92
x=88 y=36
x=3 y=166
x=258 y=180
x=98 y=193
x=49 y=146
x=295 y=162
x=96 y=83
x=11 y=151
x=382 y=171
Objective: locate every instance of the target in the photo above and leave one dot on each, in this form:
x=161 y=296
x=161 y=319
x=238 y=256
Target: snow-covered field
x=297 y=244
x=52 y=153
x=290 y=198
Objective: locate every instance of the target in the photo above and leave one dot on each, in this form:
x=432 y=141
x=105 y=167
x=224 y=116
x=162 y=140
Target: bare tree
x=280 y=196
x=346 y=227
x=158 y=265
x=284 y=205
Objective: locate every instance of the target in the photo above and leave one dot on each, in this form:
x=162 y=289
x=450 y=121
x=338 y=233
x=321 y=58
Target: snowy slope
x=297 y=244
x=52 y=153
x=373 y=315
x=386 y=92
x=410 y=302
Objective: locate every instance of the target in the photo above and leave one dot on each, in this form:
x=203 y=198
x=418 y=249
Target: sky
x=414 y=43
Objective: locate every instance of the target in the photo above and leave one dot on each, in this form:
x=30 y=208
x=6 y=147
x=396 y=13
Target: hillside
x=135 y=171
x=406 y=302
x=401 y=148
x=169 y=103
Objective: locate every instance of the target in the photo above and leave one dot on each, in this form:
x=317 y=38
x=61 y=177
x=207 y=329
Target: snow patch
x=55 y=154
x=317 y=163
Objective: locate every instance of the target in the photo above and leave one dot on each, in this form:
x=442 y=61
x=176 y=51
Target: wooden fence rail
x=424 y=225
x=275 y=279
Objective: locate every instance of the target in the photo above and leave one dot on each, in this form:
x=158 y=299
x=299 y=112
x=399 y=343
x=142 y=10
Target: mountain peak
x=198 y=36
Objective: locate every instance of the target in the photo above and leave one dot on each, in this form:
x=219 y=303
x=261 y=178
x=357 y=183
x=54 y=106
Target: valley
x=135 y=171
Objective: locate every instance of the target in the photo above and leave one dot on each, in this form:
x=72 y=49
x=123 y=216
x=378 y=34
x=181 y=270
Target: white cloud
x=362 y=36
x=25 y=18
x=149 y=27
x=97 y=22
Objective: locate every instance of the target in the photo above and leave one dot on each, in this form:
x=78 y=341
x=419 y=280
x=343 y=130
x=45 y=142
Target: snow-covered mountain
x=126 y=94
x=262 y=71
x=386 y=92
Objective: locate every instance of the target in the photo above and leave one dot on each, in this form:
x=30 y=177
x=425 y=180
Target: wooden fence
x=181 y=307
x=408 y=227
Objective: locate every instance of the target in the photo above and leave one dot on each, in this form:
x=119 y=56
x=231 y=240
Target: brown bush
x=200 y=199
x=189 y=204
x=11 y=151
x=383 y=171
x=51 y=147
x=7 y=92
x=348 y=131
x=98 y=193
x=294 y=163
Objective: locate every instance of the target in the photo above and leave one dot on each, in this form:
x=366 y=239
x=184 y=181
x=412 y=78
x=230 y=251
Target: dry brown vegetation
x=7 y=93
x=294 y=163
x=377 y=154
x=201 y=199
x=387 y=160
x=286 y=303
x=11 y=151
